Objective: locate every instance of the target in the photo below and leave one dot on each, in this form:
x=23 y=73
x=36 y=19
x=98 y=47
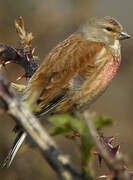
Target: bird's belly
x=96 y=85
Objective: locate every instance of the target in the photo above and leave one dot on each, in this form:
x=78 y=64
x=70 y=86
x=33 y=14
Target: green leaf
x=102 y=121
x=78 y=125
x=61 y=119
x=59 y=130
x=65 y=123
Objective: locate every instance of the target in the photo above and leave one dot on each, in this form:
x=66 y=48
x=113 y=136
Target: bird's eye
x=109 y=29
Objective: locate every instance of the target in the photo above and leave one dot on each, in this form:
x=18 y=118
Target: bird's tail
x=22 y=135
x=14 y=149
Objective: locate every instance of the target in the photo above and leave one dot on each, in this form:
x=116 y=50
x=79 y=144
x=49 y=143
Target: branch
x=56 y=159
x=113 y=163
x=24 y=56
x=17 y=55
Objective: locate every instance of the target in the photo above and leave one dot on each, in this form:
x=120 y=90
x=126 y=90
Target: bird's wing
x=74 y=56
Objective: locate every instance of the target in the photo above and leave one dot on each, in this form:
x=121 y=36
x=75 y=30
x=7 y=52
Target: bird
x=76 y=72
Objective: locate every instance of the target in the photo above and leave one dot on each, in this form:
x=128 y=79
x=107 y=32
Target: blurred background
x=51 y=21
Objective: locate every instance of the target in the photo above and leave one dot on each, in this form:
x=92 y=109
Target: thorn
x=100 y=160
x=21 y=77
x=99 y=156
x=112 y=150
x=1 y=65
x=115 y=150
x=96 y=152
x=110 y=139
x=20 y=53
x=2 y=49
x=106 y=176
x=4 y=65
x=9 y=62
x=75 y=133
x=28 y=58
x=103 y=176
x=33 y=50
x=21 y=21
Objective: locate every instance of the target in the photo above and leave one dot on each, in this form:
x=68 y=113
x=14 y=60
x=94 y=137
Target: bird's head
x=106 y=30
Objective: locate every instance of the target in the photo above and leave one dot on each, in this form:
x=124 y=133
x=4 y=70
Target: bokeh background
x=51 y=21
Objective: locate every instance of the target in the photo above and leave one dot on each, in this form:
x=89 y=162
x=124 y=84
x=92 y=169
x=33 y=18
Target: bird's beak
x=124 y=35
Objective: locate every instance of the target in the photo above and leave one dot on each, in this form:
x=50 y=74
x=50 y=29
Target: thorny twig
x=113 y=163
x=24 y=56
x=57 y=160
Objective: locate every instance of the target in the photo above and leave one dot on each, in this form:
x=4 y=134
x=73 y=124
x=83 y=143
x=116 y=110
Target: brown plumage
x=62 y=69
x=76 y=71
